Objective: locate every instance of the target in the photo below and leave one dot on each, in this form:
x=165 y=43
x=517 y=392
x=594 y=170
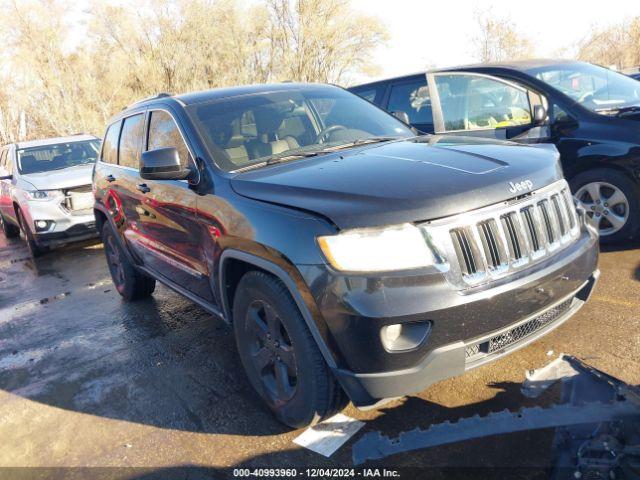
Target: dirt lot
x=89 y=381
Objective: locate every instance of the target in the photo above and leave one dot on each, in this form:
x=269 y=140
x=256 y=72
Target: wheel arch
x=101 y=214
x=234 y=264
x=16 y=207
x=582 y=167
x=101 y=218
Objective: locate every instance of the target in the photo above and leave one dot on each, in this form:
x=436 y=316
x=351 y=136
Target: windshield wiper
x=293 y=155
x=285 y=157
x=364 y=141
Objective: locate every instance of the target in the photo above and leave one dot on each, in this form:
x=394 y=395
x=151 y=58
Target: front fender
x=292 y=280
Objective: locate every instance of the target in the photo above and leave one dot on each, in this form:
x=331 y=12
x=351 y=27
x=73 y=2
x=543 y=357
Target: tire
x=34 y=249
x=272 y=337
x=617 y=222
x=129 y=282
x=9 y=230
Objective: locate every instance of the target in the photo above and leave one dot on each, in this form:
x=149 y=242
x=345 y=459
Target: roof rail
x=152 y=97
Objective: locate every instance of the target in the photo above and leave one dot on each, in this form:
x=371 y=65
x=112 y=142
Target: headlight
x=44 y=194
x=399 y=247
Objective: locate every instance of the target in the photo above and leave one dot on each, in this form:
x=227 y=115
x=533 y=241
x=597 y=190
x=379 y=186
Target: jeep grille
x=495 y=241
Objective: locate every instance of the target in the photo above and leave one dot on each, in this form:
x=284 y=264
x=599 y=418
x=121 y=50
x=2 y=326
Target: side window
x=3 y=159
x=110 y=145
x=131 y=141
x=413 y=99
x=163 y=132
x=472 y=102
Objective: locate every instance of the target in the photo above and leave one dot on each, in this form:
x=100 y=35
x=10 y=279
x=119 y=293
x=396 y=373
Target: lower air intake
x=516 y=334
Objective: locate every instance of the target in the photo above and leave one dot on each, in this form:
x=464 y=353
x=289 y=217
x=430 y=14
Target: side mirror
x=402 y=116
x=6 y=177
x=539 y=115
x=162 y=164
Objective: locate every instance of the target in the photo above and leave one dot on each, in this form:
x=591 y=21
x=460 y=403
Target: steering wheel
x=323 y=136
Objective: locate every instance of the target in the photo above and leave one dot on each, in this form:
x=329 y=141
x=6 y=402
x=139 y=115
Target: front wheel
x=612 y=202
x=279 y=354
x=35 y=249
x=9 y=230
x=130 y=283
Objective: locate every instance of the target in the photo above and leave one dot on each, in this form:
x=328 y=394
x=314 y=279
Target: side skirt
x=208 y=306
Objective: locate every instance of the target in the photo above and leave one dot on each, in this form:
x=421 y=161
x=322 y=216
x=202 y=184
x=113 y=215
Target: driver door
x=473 y=104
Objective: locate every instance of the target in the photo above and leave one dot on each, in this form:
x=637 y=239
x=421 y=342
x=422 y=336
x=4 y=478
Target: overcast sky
x=437 y=33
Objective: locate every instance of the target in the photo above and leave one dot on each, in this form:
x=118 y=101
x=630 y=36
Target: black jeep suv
x=351 y=256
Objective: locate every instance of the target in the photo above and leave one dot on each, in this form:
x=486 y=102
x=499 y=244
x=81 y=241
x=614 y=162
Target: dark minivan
x=591 y=114
x=354 y=259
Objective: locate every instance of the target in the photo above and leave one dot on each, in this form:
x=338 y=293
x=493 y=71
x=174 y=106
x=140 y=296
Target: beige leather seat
x=282 y=145
x=238 y=155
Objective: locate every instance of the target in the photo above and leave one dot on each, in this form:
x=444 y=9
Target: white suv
x=45 y=190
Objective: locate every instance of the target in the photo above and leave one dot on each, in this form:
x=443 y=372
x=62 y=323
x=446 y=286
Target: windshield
x=251 y=129
x=596 y=88
x=57 y=157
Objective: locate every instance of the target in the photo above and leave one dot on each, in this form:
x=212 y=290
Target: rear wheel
x=35 y=249
x=9 y=230
x=612 y=202
x=129 y=282
x=279 y=354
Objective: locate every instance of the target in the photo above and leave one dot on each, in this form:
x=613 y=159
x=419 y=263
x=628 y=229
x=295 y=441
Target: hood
x=60 y=179
x=405 y=181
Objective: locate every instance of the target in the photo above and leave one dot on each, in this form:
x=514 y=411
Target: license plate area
x=77 y=201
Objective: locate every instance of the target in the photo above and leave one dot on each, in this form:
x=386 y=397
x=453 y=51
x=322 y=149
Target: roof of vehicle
x=55 y=140
x=519 y=65
x=216 y=93
x=387 y=79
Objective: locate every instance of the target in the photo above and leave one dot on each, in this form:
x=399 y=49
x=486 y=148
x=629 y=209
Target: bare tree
x=616 y=45
x=65 y=83
x=498 y=39
x=323 y=40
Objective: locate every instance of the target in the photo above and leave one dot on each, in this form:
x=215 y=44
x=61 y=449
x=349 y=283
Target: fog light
x=404 y=336
x=43 y=225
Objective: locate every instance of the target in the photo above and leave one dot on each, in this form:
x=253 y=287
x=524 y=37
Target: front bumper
x=455 y=359
x=469 y=328
x=64 y=226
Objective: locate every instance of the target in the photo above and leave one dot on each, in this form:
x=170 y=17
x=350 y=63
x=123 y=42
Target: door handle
x=143 y=187
x=110 y=178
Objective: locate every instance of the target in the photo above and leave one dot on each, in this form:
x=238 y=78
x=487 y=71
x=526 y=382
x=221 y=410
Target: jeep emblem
x=520 y=186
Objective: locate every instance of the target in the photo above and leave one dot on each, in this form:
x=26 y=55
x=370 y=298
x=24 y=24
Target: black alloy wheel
x=279 y=354
x=129 y=282
x=272 y=354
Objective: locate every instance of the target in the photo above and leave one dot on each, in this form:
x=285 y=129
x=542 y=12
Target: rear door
x=167 y=213
x=105 y=176
x=474 y=104
x=124 y=194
